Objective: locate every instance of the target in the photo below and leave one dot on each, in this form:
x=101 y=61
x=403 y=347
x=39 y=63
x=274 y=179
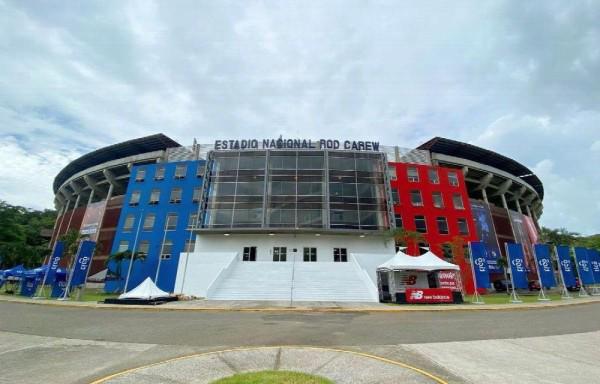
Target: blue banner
x=517 y=265
x=544 y=264
x=583 y=265
x=486 y=234
x=480 y=265
x=59 y=249
x=84 y=258
x=594 y=257
x=566 y=266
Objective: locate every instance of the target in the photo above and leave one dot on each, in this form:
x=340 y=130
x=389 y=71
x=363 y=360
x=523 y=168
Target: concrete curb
x=300 y=308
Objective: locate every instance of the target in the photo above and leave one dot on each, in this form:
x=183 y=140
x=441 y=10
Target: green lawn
x=503 y=298
x=87 y=294
x=273 y=377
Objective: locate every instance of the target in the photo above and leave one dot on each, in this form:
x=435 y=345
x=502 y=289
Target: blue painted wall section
x=147 y=268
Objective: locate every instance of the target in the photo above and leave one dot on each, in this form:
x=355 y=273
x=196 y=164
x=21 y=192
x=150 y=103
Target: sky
x=519 y=78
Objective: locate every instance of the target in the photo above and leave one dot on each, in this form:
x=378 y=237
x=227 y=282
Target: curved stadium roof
x=484 y=156
x=116 y=151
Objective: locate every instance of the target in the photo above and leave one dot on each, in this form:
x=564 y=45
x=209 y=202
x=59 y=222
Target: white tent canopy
x=145 y=291
x=426 y=262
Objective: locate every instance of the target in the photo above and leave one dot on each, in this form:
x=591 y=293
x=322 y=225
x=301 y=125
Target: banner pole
x=131 y=260
x=541 y=295
x=162 y=247
x=582 y=291
x=72 y=267
x=42 y=293
x=565 y=292
x=515 y=297
x=476 y=297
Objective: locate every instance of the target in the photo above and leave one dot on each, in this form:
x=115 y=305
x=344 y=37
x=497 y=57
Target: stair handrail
x=364 y=275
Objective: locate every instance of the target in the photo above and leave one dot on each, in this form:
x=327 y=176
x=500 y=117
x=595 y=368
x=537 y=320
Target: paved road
x=77 y=345
x=211 y=329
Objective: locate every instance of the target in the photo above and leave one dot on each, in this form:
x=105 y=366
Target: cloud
x=516 y=78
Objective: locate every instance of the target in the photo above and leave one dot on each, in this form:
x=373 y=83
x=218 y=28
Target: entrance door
x=279 y=253
x=310 y=254
x=249 y=254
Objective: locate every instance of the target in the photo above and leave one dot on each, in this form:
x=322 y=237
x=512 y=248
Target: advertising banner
x=90 y=224
x=82 y=263
x=517 y=265
x=411 y=279
x=59 y=249
x=486 y=233
x=566 y=266
x=428 y=295
x=546 y=271
x=583 y=265
x=447 y=279
x=594 y=257
x=522 y=237
x=480 y=265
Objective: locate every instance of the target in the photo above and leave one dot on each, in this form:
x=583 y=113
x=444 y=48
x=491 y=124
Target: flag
x=480 y=265
x=566 y=266
x=583 y=265
x=84 y=258
x=544 y=263
x=517 y=265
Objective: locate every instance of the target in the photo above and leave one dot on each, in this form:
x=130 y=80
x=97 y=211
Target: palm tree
x=71 y=240
x=118 y=258
x=405 y=238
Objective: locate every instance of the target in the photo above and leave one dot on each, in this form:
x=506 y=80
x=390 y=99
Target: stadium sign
x=371 y=146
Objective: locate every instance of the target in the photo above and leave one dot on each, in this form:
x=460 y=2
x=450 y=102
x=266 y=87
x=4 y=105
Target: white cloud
x=516 y=78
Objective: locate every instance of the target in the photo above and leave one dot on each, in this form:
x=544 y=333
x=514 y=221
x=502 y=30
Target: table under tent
x=419 y=279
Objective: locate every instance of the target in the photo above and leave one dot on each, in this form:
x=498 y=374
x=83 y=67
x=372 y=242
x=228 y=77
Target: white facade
x=216 y=268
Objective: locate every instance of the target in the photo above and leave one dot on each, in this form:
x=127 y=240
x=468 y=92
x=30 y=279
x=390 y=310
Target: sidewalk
x=282 y=306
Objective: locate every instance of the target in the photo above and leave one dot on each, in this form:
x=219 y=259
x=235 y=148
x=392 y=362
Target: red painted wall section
x=434 y=238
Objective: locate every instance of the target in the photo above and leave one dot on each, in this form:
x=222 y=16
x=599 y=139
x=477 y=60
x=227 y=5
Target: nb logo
x=416 y=295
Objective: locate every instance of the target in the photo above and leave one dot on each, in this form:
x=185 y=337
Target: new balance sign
x=428 y=295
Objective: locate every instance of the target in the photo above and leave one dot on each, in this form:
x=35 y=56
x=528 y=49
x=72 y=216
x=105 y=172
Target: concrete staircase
x=321 y=281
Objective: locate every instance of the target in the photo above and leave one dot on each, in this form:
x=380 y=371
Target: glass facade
x=296 y=189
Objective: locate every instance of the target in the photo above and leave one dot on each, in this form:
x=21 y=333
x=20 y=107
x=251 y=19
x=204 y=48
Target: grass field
x=87 y=295
x=273 y=377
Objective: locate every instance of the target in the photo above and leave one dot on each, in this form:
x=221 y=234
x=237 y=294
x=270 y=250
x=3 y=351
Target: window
x=123 y=246
x=458 y=201
x=154 y=196
x=171 y=223
x=159 y=174
x=200 y=170
x=340 y=255
x=434 y=178
x=310 y=254
x=398 y=220
x=395 y=196
x=279 y=253
x=192 y=220
x=415 y=198
x=143 y=247
x=180 y=171
x=189 y=245
x=167 y=248
x=420 y=224
x=196 y=196
x=128 y=225
x=413 y=174
x=140 y=174
x=453 y=179
x=463 y=228
x=175 y=195
x=149 y=221
x=135 y=198
x=249 y=254
x=438 y=201
x=442 y=225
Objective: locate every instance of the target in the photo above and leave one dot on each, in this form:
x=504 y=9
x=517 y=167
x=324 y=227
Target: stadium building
x=291 y=219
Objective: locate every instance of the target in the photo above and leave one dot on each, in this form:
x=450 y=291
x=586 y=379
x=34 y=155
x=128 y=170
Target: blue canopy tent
x=11 y=278
x=16 y=271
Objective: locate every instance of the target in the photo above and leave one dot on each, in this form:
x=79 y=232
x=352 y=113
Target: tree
x=71 y=240
x=117 y=259
x=560 y=236
x=406 y=238
x=21 y=241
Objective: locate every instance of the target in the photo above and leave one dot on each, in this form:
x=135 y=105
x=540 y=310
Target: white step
x=320 y=281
